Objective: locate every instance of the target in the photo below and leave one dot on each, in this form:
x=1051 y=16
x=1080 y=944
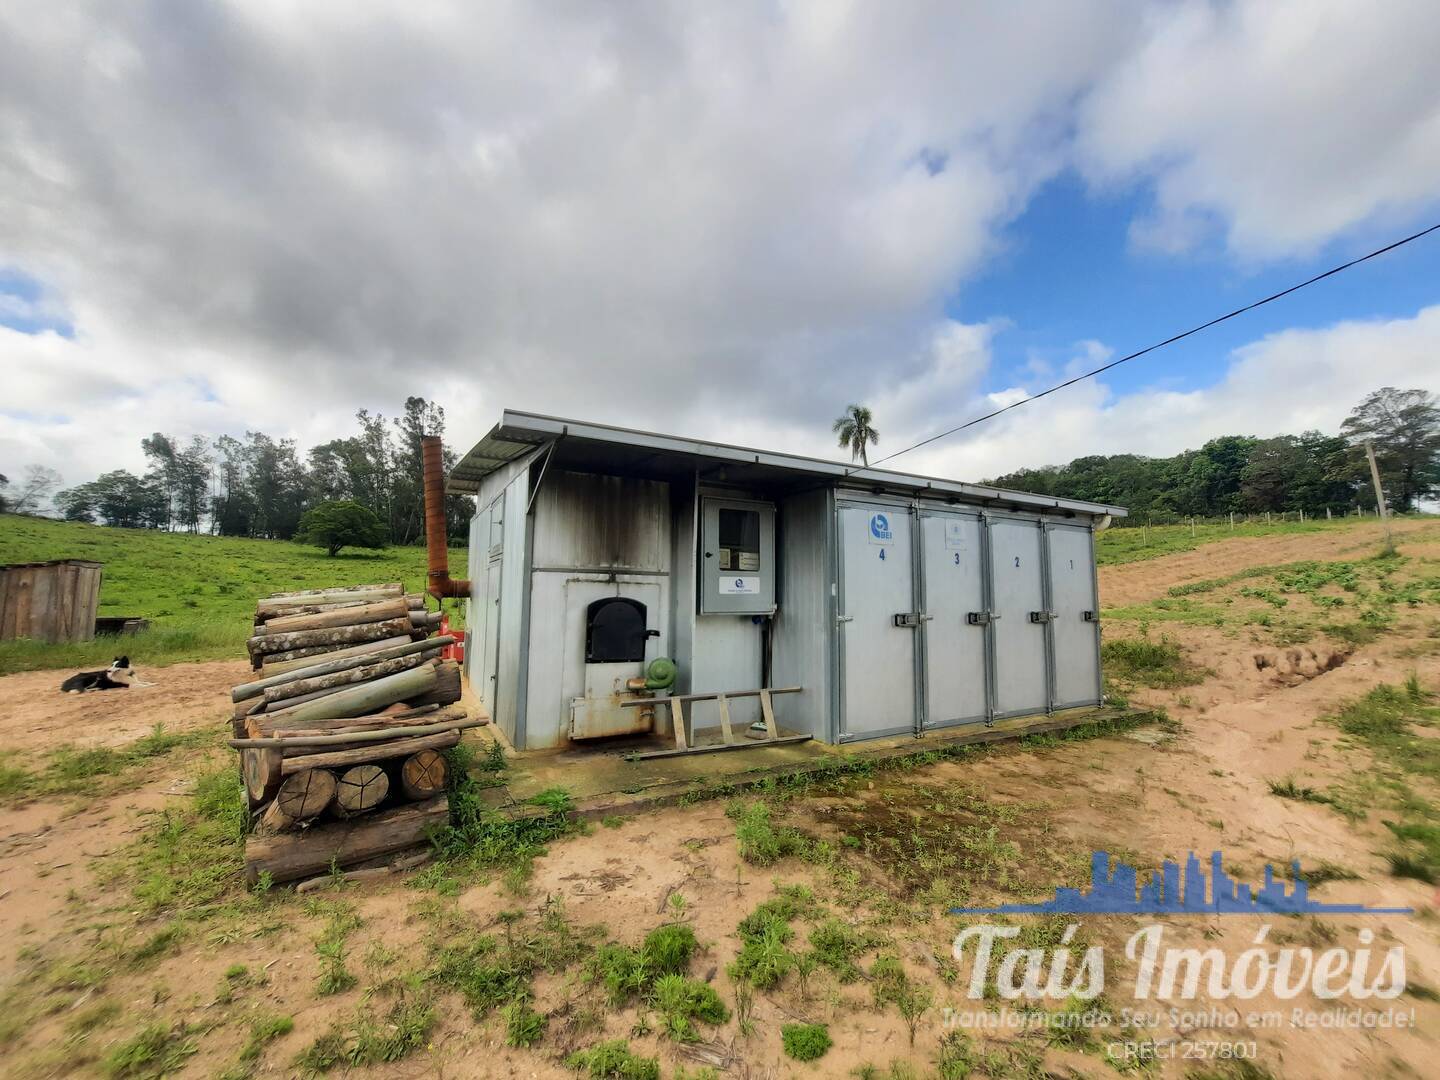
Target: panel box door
x=1017 y=583
x=953 y=579
x=877 y=657
x=1074 y=626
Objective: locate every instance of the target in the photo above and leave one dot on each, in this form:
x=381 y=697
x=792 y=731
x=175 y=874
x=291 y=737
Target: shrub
x=805 y=1042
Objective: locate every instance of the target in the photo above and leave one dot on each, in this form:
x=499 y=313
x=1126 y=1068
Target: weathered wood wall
x=54 y=601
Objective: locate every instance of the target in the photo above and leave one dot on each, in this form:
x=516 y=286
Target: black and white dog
x=118 y=676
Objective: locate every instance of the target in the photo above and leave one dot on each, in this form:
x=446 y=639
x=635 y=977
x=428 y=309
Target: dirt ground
x=77 y=981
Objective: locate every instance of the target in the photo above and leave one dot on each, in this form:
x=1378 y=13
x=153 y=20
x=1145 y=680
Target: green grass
x=614 y=1060
x=70 y=771
x=1408 y=763
x=805 y=1042
x=1158 y=664
x=1132 y=543
x=198 y=591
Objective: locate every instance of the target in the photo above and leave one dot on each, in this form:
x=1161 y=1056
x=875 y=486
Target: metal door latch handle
x=1041 y=616
x=906 y=618
x=1090 y=616
x=981 y=618
x=844 y=618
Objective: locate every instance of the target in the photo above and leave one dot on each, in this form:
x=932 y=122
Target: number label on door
x=1017 y=562
x=957 y=558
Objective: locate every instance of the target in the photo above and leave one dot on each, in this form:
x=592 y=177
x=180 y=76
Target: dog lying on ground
x=118 y=676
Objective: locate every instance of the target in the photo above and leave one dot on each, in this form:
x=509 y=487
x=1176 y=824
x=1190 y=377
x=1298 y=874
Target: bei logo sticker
x=880 y=530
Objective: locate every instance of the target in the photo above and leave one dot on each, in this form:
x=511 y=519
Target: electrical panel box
x=737 y=556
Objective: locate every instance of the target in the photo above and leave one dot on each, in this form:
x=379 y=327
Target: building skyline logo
x=1169 y=892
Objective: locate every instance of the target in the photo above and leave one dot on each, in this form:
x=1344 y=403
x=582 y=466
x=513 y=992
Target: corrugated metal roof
x=604 y=447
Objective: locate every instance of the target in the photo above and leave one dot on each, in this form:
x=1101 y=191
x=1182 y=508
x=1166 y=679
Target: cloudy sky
x=724 y=220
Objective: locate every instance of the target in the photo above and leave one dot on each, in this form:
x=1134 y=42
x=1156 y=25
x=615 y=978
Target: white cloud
x=726 y=220
x=1282 y=123
x=1287 y=382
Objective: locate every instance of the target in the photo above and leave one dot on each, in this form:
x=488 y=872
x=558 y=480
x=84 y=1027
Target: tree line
x=262 y=487
x=1312 y=471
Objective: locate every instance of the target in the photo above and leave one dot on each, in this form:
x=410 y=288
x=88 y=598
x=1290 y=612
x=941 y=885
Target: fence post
x=1232 y=520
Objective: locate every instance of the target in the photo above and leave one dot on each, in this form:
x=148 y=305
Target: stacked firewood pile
x=341 y=733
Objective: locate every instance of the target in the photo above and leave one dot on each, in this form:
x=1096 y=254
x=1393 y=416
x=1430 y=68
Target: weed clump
x=761 y=842
x=681 y=1001
x=805 y=1042
x=156 y=1050
x=1159 y=664
x=613 y=1060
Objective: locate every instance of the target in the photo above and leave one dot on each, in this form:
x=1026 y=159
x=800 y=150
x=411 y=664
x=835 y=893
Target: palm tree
x=856 y=433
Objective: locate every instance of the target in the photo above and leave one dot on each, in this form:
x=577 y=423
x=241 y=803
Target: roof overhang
x=591 y=447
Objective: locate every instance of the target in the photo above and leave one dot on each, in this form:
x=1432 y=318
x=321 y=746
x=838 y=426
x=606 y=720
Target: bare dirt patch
x=87 y=961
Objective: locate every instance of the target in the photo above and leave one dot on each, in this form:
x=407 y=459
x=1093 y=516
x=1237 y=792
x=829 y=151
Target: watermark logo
x=1169 y=892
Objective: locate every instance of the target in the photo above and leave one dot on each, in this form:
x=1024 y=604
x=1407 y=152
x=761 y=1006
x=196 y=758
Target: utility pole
x=1379 y=492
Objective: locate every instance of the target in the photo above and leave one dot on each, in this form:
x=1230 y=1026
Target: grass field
x=1132 y=543
x=198 y=591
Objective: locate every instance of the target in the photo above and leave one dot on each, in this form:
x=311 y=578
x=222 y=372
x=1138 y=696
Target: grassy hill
x=198 y=591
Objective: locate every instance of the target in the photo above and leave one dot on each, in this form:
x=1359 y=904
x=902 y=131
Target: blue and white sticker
x=740 y=586
x=880 y=532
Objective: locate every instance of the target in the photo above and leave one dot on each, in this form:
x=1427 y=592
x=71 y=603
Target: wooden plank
x=767 y=711
x=725 y=731
x=711 y=748
x=773 y=690
x=44 y=616
x=677 y=715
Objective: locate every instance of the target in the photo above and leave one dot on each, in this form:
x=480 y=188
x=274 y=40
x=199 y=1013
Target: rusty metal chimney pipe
x=441 y=584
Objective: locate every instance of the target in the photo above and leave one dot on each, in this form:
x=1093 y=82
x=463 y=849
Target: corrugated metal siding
x=805 y=622
x=510 y=632
x=590 y=522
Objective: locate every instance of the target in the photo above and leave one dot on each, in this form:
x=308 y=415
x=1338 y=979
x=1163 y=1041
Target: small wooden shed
x=49 y=601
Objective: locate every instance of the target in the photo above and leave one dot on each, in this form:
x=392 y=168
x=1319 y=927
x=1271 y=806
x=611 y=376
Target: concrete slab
x=605 y=782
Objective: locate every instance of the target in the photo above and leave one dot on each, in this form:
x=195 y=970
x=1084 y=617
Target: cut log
x=341 y=616
x=264 y=726
x=393 y=588
x=300 y=797
x=327 y=666
x=273 y=606
x=422 y=619
x=288 y=856
x=333 y=740
x=361 y=788
x=423 y=775
x=338 y=680
x=379 y=751
x=446 y=690
x=261 y=769
x=263 y=644
x=369 y=697
x=274 y=665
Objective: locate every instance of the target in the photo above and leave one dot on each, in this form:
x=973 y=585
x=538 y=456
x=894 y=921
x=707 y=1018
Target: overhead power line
x=1151 y=348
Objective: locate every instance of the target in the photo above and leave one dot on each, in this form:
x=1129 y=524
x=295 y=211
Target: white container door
x=1017 y=583
x=877 y=657
x=1074 y=626
x=952 y=570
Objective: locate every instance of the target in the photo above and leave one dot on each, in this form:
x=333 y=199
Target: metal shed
x=894 y=602
x=49 y=601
